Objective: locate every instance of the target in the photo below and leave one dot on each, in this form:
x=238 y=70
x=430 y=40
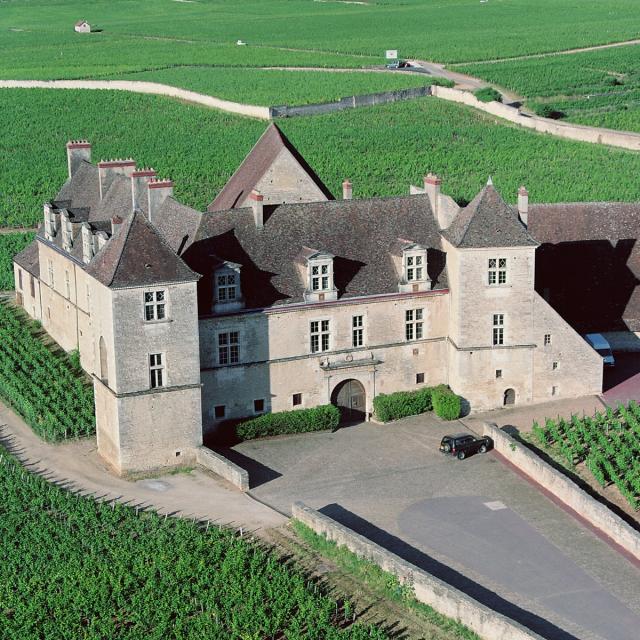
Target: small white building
x=82 y=27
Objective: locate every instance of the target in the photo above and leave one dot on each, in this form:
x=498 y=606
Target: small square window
x=220 y=411
x=419 y=378
x=555 y=366
x=547 y=339
x=498 y=373
x=258 y=406
x=554 y=391
x=297 y=399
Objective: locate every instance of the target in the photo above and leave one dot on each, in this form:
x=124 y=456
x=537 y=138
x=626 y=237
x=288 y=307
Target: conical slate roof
x=488 y=221
x=137 y=256
x=255 y=165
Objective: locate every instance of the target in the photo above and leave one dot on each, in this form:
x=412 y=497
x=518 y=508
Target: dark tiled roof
x=82 y=190
x=117 y=201
x=28 y=258
x=178 y=224
x=359 y=233
x=137 y=255
x=488 y=221
x=255 y=165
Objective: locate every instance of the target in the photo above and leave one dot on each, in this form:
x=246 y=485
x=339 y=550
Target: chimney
x=67 y=231
x=347 y=191
x=432 y=189
x=258 y=208
x=100 y=240
x=159 y=191
x=139 y=180
x=87 y=243
x=523 y=205
x=115 y=221
x=77 y=151
x=50 y=222
x=109 y=169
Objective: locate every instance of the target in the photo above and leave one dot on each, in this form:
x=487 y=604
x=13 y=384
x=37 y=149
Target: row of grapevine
x=76 y=568
x=607 y=443
x=45 y=388
x=10 y=244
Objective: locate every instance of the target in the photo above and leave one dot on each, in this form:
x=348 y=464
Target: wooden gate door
x=349 y=396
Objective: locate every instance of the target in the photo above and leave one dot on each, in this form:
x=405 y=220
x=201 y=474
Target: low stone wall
x=565 y=489
x=350 y=102
x=223 y=467
x=582 y=133
x=428 y=589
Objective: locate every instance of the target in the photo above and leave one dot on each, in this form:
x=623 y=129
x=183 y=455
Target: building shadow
x=447 y=574
x=259 y=473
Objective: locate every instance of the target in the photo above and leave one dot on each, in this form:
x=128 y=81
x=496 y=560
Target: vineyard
x=10 y=244
x=275 y=87
x=76 y=568
x=47 y=389
x=600 y=88
x=381 y=149
x=608 y=444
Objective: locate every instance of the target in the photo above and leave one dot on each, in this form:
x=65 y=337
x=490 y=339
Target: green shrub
x=442 y=82
x=446 y=404
x=401 y=404
x=547 y=110
x=299 y=421
x=488 y=94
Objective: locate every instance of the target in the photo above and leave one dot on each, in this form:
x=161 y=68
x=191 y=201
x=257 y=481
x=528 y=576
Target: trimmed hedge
x=401 y=404
x=298 y=421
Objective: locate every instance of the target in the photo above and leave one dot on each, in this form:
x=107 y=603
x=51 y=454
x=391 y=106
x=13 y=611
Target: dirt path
x=7 y=230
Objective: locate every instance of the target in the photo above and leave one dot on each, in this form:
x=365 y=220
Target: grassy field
x=274 y=87
x=381 y=149
x=10 y=244
x=457 y=30
x=600 y=88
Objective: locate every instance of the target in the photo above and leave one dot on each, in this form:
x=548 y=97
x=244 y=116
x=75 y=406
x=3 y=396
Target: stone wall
x=564 y=489
x=217 y=463
x=428 y=589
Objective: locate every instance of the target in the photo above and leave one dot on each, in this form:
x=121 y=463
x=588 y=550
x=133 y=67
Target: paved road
x=473 y=523
x=622 y=382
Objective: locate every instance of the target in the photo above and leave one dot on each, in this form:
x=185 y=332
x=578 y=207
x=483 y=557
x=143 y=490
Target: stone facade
x=225 y=315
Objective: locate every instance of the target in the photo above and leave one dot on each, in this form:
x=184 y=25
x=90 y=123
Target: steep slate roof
x=358 y=232
x=488 y=221
x=82 y=190
x=28 y=258
x=116 y=201
x=178 y=224
x=255 y=165
x=137 y=255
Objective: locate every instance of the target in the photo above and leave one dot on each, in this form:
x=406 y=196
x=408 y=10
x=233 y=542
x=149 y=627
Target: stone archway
x=350 y=397
x=509 y=397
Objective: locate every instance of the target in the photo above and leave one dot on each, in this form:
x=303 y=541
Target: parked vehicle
x=399 y=64
x=602 y=346
x=462 y=445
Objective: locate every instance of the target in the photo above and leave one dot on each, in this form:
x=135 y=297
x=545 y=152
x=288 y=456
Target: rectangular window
x=229 y=347
x=319 y=332
x=419 y=378
x=415 y=268
x=554 y=391
x=498 y=373
x=413 y=320
x=20 y=279
x=357 y=333
x=297 y=399
x=554 y=366
x=220 y=411
x=32 y=286
x=156 y=370
x=67 y=284
x=547 y=339
x=497 y=272
x=498 y=328
x=258 y=406
x=320 y=277
x=154 y=305
x=50 y=272
x=227 y=287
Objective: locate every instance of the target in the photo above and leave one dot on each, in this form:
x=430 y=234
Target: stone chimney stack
x=87 y=243
x=347 y=191
x=523 y=205
x=139 y=181
x=67 y=230
x=432 y=186
x=77 y=151
x=257 y=204
x=115 y=221
x=109 y=169
x=158 y=191
x=50 y=222
x=100 y=240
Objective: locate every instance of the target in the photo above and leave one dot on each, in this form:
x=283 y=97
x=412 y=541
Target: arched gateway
x=350 y=397
x=509 y=397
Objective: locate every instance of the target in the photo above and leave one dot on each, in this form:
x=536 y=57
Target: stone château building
x=280 y=297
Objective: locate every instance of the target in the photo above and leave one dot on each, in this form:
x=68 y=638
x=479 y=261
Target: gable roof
x=359 y=233
x=488 y=221
x=255 y=165
x=137 y=255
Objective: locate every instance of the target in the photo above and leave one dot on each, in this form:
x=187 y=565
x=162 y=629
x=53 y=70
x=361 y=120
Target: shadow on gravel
x=258 y=472
x=443 y=572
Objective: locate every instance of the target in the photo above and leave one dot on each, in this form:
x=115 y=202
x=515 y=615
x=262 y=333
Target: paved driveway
x=474 y=523
x=622 y=382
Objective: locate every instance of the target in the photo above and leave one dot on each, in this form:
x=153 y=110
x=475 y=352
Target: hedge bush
x=488 y=94
x=446 y=404
x=298 y=421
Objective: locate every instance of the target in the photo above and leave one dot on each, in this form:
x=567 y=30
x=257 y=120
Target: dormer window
x=411 y=262
x=414 y=267
x=227 y=294
x=321 y=277
x=316 y=268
